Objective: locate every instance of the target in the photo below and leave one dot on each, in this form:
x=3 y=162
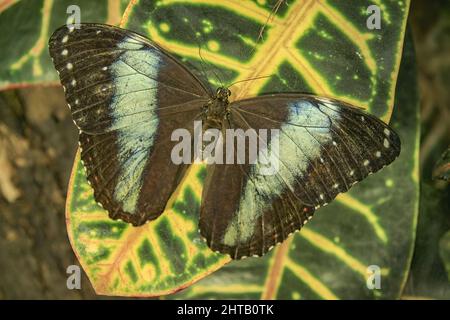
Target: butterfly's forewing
x=126 y=96
x=325 y=146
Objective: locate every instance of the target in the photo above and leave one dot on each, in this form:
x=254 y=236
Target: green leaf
x=444 y=250
x=27 y=26
x=309 y=46
x=442 y=167
x=373 y=224
x=428 y=277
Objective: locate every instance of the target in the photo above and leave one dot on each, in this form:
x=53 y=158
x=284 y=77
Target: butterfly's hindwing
x=126 y=96
x=325 y=146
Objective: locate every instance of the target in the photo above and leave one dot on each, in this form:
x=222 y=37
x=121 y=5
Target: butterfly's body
x=217 y=109
x=128 y=95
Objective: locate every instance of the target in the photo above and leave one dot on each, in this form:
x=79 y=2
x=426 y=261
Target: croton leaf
x=27 y=61
x=321 y=47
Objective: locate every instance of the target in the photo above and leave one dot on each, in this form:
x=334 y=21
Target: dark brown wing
x=127 y=96
x=325 y=146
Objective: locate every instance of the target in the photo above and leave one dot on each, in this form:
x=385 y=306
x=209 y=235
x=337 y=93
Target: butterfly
x=127 y=96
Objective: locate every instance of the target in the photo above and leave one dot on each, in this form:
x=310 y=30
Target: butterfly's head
x=223 y=94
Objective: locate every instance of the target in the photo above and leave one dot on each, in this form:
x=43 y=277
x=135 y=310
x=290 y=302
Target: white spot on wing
x=64 y=52
x=65 y=38
x=69 y=66
x=386 y=143
x=366 y=162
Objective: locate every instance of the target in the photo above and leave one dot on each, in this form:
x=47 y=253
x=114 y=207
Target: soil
x=38 y=142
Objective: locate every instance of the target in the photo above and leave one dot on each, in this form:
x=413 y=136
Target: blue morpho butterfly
x=127 y=95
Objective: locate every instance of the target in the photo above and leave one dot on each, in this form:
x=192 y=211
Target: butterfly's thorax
x=217 y=109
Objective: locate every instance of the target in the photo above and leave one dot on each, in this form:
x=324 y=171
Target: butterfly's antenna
x=269 y=19
x=249 y=79
x=204 y=62
x=209 y=64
